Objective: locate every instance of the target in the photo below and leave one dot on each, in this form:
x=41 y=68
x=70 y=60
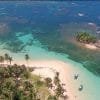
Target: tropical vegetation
x=18 y=83
x=85 y=37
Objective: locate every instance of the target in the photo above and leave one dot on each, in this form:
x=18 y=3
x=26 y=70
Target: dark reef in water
x=15 y=46
x=53 y=42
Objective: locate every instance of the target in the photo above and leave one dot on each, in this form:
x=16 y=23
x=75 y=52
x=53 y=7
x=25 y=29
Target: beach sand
x=47 y=68
x=67 y=72
x=67 y=69
x=91 y=46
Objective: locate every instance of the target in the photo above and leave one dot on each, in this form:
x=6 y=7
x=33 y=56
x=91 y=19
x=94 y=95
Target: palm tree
x=59 y=91
x=56 y=78
x=6 y=57
x=48 y=82
x=1 y=59
x=86 y=37
x=27 y=58
x=10 y=60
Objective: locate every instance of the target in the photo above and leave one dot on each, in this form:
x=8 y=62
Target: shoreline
x=66 y=75
x=67 y=69
x=47 y=68
x=91 y=46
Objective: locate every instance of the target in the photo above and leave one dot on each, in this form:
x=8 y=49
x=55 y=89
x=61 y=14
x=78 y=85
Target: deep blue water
x=52 y=12
x=45 y=21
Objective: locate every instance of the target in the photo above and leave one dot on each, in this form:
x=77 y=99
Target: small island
x=90 y=41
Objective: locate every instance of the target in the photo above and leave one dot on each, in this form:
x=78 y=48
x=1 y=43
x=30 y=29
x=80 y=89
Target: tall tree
x=6 y=57
x=1 y=59
x=10 y=60
x=27 y=58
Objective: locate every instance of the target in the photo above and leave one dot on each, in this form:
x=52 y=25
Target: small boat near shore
x=76 y=76
x=80 y=88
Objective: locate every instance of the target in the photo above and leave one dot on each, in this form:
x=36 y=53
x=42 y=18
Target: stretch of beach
x=47 y=68
x=67 y=72
x=90 y=46
x=66 y=68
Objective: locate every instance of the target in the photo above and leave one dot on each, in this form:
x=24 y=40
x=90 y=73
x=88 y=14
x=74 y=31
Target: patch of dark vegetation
x=18 y=83
x=85 y=37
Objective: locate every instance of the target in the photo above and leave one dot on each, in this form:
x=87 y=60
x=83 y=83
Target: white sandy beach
x=67 y=69
x=67 y=72
x=90 y=46
x=47 y=69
